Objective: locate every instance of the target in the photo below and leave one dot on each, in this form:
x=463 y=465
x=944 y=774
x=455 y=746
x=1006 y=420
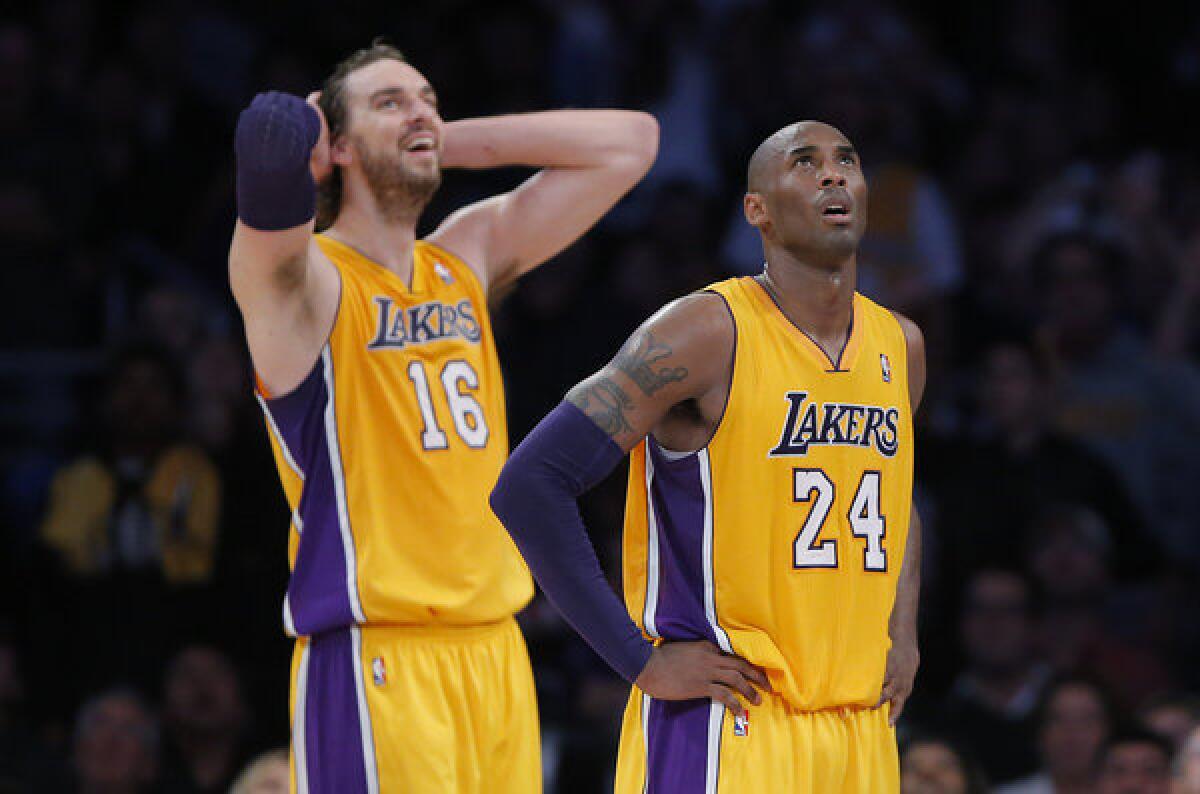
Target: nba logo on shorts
x=886 y=367
x=379 y=671
x=741 y=725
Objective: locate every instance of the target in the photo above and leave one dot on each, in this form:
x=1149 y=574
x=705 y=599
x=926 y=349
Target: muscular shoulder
x=695 y=333
x=913 y=338
x=682 y=354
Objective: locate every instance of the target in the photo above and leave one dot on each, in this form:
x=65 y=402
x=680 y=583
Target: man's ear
x=755 y=208
x=340 y=151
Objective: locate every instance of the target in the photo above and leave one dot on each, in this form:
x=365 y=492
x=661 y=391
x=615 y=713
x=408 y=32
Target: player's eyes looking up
x=390 y=99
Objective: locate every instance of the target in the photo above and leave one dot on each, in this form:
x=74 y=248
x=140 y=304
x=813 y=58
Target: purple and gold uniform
x=781 y=541
x=410 y=673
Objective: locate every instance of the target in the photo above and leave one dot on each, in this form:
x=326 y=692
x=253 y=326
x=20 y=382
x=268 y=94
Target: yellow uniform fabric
x=781 y=540
x=419 y=433
x=410 y=673
x=452 y=709
x=781 y=749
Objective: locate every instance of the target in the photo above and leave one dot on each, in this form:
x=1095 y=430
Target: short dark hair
x=1020 y=341
x=1109 y=257
x=1134 y=734
x=1033 y=596
x=145 y=352
x=973 y=773
x=1082 y=681
x=333 y=105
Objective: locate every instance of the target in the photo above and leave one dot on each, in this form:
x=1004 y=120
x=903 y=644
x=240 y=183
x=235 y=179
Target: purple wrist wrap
x=564 y=456
x=274 y=139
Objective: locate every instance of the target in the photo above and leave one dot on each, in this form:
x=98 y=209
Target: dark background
x=1035 y=196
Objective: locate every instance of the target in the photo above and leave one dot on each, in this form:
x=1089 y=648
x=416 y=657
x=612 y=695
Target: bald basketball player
x=771 y=548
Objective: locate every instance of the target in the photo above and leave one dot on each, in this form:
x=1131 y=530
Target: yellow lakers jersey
x=782 y=540
x=388 y=450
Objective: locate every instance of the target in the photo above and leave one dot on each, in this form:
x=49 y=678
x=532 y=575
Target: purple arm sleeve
x=274 y=139
x=564 y=456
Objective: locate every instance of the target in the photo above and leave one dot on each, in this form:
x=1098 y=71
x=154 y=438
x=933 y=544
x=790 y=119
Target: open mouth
x=421 y=142
x=837 y=214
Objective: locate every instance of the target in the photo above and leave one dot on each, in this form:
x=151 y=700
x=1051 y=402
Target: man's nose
x=831 y=178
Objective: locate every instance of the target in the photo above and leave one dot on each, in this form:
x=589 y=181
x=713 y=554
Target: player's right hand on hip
x=321 y=161
x=688 y=670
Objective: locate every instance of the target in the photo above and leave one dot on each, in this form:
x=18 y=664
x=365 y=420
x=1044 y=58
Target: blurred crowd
x=1035 y=207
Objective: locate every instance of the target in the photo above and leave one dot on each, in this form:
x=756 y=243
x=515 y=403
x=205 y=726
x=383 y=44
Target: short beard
x=400 y=193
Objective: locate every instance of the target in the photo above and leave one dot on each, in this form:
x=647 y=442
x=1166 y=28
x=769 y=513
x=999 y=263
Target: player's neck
x=817 y=299
x=388 y=243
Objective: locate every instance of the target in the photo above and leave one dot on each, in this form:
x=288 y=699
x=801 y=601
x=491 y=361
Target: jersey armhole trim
x=733 y=360
x=260 y=387
x=903 y=346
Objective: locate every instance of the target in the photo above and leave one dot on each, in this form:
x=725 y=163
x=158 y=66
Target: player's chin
x=842 y=239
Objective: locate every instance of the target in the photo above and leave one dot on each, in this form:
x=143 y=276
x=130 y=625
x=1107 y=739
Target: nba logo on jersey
x=379 y=671
x=443 y=272
x=886 y=367
x=741 y=725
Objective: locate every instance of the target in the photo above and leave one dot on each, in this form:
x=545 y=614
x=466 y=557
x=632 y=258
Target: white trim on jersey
x=646 y=740
x=339 y=488
x=712 y=773
x=710 y=596
x=289 y=622
x=283 y=447
x=649 y=612
x=364 y=715
x=300 y=709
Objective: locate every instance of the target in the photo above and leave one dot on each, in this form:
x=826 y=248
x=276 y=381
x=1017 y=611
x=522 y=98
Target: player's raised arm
x=670 y=377
x=288 y=300
x=589 y=159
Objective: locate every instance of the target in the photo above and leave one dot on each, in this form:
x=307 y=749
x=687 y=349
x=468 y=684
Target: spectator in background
x=1073 y=725
x=267 y=774
x=1016 y=454
x=134 y=525
x=116 y=745
x=205 y=722
x=22 y=757
x=1083 y=626
x=934 y=765
x=991 y=706
x=1140 y=413
x=1186 y=777
x=143 y=501
x=1175 y=330
x=1136 y=762
x=1174 y=717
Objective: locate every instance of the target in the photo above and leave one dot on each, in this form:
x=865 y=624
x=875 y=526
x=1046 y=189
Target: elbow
x=640 y=144
x=504 y=495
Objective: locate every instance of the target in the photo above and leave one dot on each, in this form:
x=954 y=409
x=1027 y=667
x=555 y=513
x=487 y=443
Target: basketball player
x=768 y=522
x=382 y=392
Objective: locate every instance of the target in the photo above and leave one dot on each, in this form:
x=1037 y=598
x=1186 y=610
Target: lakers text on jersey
x=781 y=541
x=387 y=451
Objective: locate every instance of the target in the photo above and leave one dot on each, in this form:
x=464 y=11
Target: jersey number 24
x=808 y=550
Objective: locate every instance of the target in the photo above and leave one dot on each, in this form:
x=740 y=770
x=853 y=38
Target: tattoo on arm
x=605 y=403
x=640 y=358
